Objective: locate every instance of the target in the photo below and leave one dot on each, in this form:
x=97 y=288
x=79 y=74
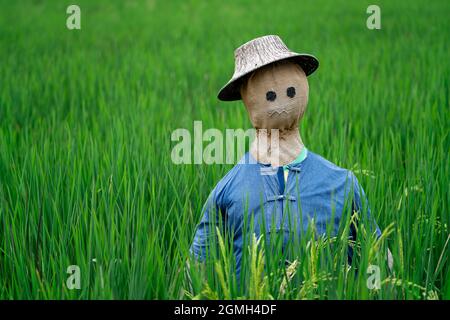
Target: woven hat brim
x=231 y=91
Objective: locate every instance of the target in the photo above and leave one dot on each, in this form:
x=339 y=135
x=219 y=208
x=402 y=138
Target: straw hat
x=260 y=52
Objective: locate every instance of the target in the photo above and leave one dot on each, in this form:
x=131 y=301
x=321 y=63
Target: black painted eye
x=271 y=95
x=290 y=92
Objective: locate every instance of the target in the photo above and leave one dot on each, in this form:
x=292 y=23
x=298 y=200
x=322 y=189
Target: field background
x=86 y=176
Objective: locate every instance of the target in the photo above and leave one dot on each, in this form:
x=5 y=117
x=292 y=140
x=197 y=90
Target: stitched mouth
x=286 y=109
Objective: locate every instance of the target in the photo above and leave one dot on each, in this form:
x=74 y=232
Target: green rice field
x=87 y=179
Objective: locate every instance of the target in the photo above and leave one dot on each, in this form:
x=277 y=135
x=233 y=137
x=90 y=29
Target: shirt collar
x=302 y=156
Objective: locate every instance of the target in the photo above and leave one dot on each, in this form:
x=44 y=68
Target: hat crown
x=259 y=52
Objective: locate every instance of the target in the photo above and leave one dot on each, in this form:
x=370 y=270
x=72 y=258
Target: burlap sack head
x=276 y=95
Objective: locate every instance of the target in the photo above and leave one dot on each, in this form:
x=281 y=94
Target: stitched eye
x=271 y=95
x=290 y=92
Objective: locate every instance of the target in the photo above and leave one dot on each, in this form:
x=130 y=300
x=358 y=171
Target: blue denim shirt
x=316 y=190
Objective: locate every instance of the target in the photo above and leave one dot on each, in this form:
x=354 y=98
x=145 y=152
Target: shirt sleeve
x=362 y=207
x=213 y=216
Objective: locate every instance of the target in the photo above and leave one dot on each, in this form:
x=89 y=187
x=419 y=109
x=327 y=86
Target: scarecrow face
x=276 y=96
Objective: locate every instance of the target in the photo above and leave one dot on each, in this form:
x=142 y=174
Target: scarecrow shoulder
x=338 y=175
x=236 y=180
x=326 y=171
x=326 y=166
x=226 y=184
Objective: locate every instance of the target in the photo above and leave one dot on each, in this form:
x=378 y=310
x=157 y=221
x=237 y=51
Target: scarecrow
x=279 y=183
